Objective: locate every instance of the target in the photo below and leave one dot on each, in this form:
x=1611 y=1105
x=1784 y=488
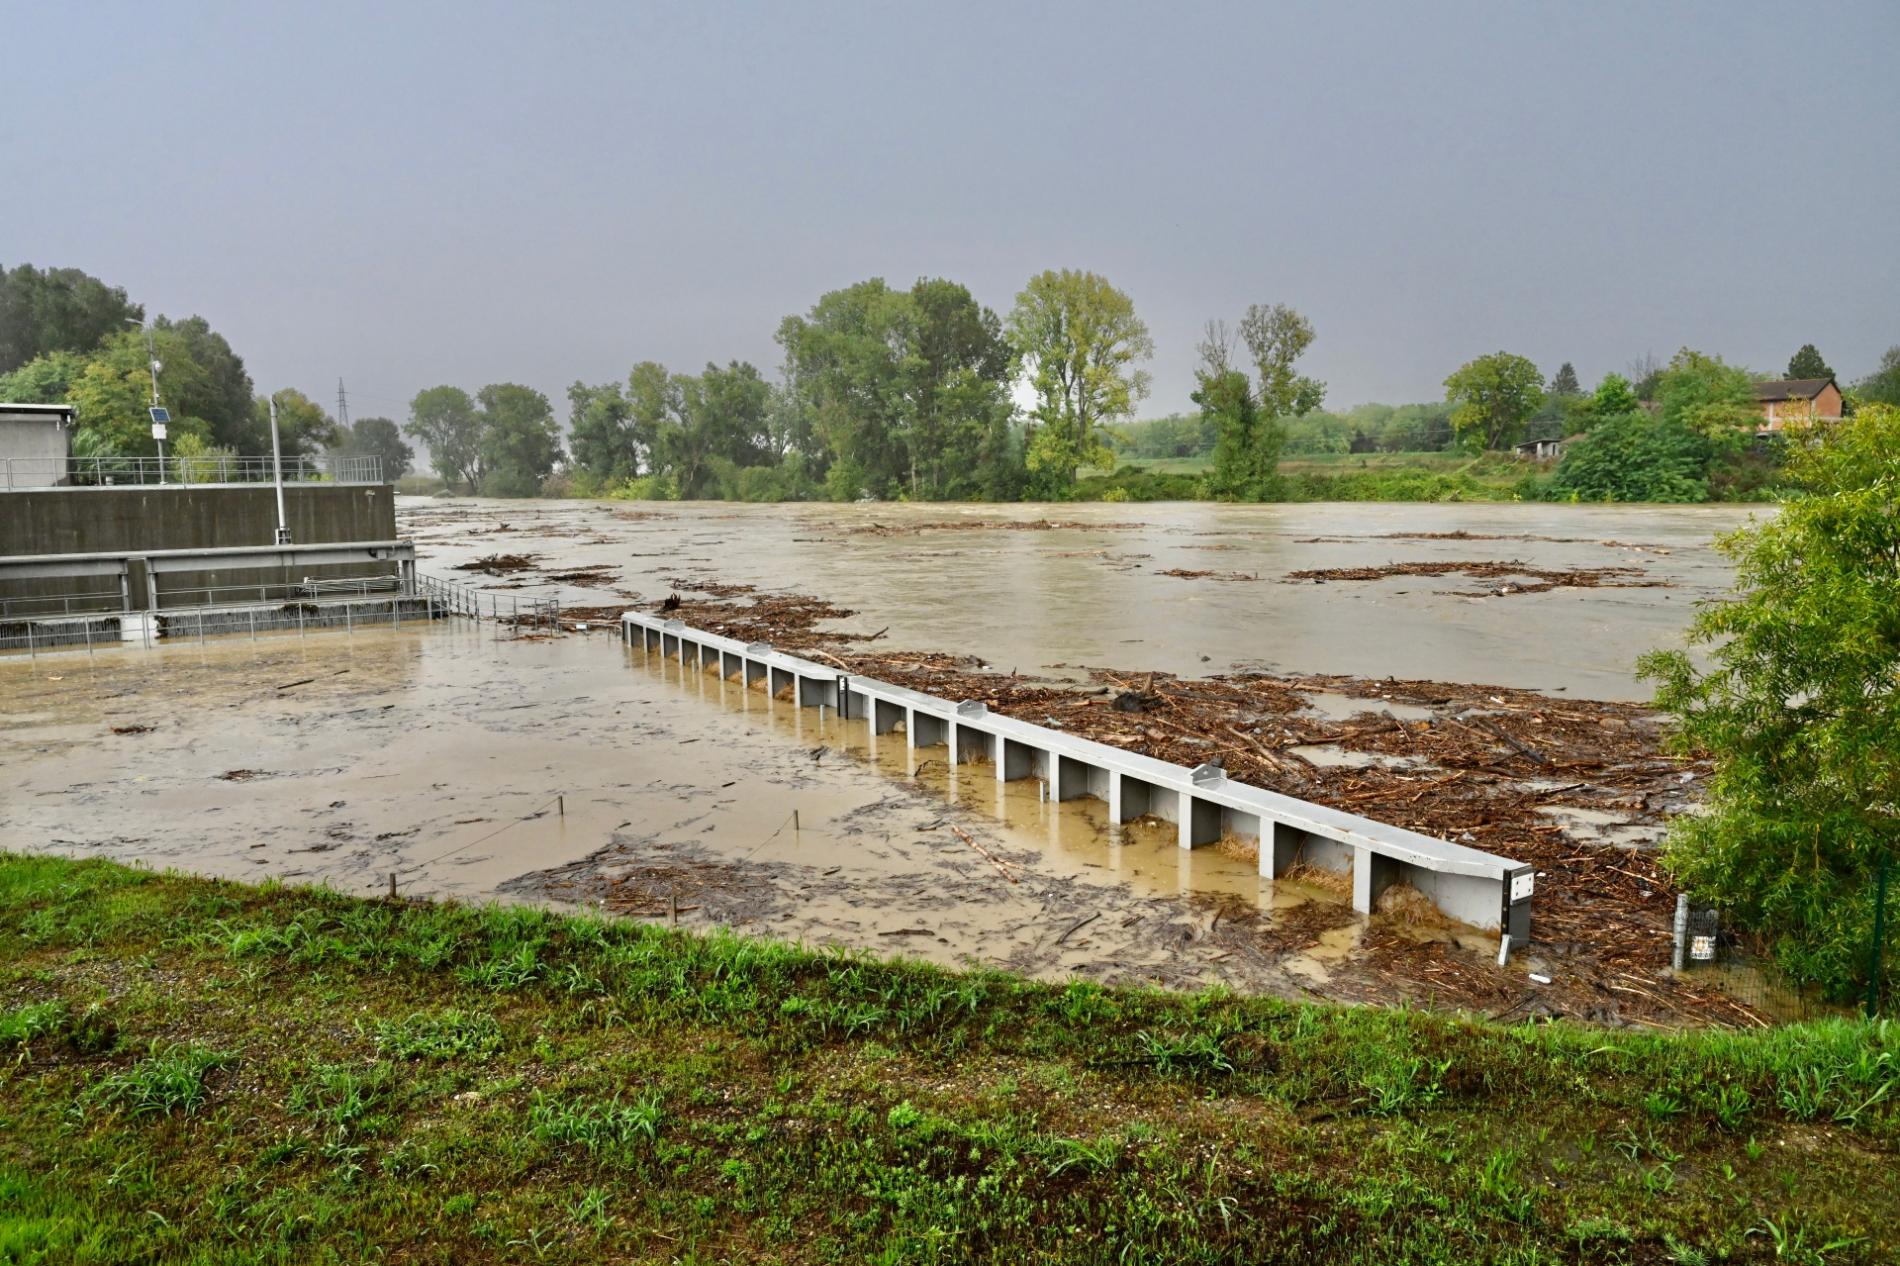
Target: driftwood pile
x=1481 y=765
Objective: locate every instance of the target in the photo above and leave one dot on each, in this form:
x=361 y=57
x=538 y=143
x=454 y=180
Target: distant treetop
x=1807 y=363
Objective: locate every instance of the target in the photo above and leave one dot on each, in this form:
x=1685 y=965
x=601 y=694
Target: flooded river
x=1095 y=590
x=577 y=771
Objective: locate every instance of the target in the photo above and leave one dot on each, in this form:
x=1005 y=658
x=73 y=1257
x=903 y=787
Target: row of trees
x=882 y=392
x=69 y=338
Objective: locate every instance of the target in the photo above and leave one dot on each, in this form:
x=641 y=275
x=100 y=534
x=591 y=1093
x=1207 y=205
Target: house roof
x=1791 y=389
x=60 y=415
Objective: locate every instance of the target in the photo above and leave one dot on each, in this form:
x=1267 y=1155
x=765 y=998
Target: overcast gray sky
x=406 y=194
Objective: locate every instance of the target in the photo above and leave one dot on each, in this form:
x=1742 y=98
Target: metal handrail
x=18 y=473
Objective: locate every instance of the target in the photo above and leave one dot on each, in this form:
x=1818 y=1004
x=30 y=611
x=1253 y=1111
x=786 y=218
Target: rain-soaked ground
x=573 y=770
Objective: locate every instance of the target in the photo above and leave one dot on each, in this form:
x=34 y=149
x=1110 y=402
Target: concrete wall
x=115 y=520
x=33 y=435
x=118 y=520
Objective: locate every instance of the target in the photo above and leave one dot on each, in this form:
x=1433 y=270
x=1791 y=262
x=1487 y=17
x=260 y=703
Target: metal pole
x=277 y=466
x=1880 y=934
x=1682 y=931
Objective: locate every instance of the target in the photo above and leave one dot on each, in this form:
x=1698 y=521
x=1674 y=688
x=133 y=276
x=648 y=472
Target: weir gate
x=1467 y=884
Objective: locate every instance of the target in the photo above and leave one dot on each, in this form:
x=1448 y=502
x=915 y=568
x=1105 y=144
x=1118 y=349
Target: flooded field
x=1040 y=588
x=569 y=770
x=573 y=770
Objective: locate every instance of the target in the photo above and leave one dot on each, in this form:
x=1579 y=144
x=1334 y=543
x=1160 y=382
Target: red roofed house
x=1798 y=400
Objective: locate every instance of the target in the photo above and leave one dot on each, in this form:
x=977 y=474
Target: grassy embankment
x=1454 y=476
x=194 y=1071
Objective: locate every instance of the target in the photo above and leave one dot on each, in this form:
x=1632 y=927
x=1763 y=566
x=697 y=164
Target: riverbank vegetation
x=1799 y=707
x=195 y=1071
x=926 y=394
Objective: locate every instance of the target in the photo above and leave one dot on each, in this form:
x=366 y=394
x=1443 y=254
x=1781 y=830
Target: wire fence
x=1710 y=948
x=112 y=472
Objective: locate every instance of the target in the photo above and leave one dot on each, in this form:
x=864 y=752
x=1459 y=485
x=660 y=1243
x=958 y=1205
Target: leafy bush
x=648 y=488
x=1635 y=457
x=1132 y=483
x=1799 y=708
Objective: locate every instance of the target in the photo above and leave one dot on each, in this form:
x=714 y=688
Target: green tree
x=45 y=379
x=1564 y=381
x=1248 y=417
x=1807 y=363
x=1493 y=396
x=1613 y=398
x=520 y=440
x=380 y=437
x=1634 y=457
x=847 y=370
x=1079 y=340
x=446 y=420
x=1276 y=338
x=654 y=408
x=226 y=397
x=1883 y=385
x=1245 y=468
x=601 y=431
x=57 y=310
x=113 y=392
x=1709 y=396
x=1799 y=706
x=958 y=365
x=710 y=426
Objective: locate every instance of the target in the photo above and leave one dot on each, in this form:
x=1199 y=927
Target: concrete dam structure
x=1466 y=884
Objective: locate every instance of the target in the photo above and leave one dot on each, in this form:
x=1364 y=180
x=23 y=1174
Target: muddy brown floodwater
x=447 y=754
x=1185 y=588
x=439 y=753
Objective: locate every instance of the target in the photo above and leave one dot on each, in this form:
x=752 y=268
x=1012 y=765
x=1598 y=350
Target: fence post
x=1880 y=934
x=1682 y=931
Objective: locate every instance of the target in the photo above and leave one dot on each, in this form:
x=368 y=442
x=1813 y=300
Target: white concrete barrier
x=1467 y=884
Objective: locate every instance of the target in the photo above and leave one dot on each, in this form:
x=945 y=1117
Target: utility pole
x=277 y=466
x=159 y=416
x=343 y=409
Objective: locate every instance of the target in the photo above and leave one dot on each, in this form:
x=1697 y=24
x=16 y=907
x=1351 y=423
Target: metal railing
x=460 y=598
x=17 y=473
x=295 y=608
x=111 y=602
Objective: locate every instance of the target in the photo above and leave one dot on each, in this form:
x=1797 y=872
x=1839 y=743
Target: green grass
x=1442 y=476
x=200 y=1072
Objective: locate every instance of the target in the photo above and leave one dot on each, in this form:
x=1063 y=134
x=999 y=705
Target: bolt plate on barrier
x=1522 y=886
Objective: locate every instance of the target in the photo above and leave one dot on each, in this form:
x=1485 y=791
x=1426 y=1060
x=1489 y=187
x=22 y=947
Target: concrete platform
x=1467 y=884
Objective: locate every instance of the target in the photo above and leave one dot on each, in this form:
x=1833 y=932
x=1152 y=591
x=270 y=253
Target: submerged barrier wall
x=1475 y=887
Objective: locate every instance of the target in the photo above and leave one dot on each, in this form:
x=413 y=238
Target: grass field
x=201 y=1072
x=1454 y=476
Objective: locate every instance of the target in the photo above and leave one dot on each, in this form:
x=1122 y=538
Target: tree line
x=68 y=338
x=885 y=392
